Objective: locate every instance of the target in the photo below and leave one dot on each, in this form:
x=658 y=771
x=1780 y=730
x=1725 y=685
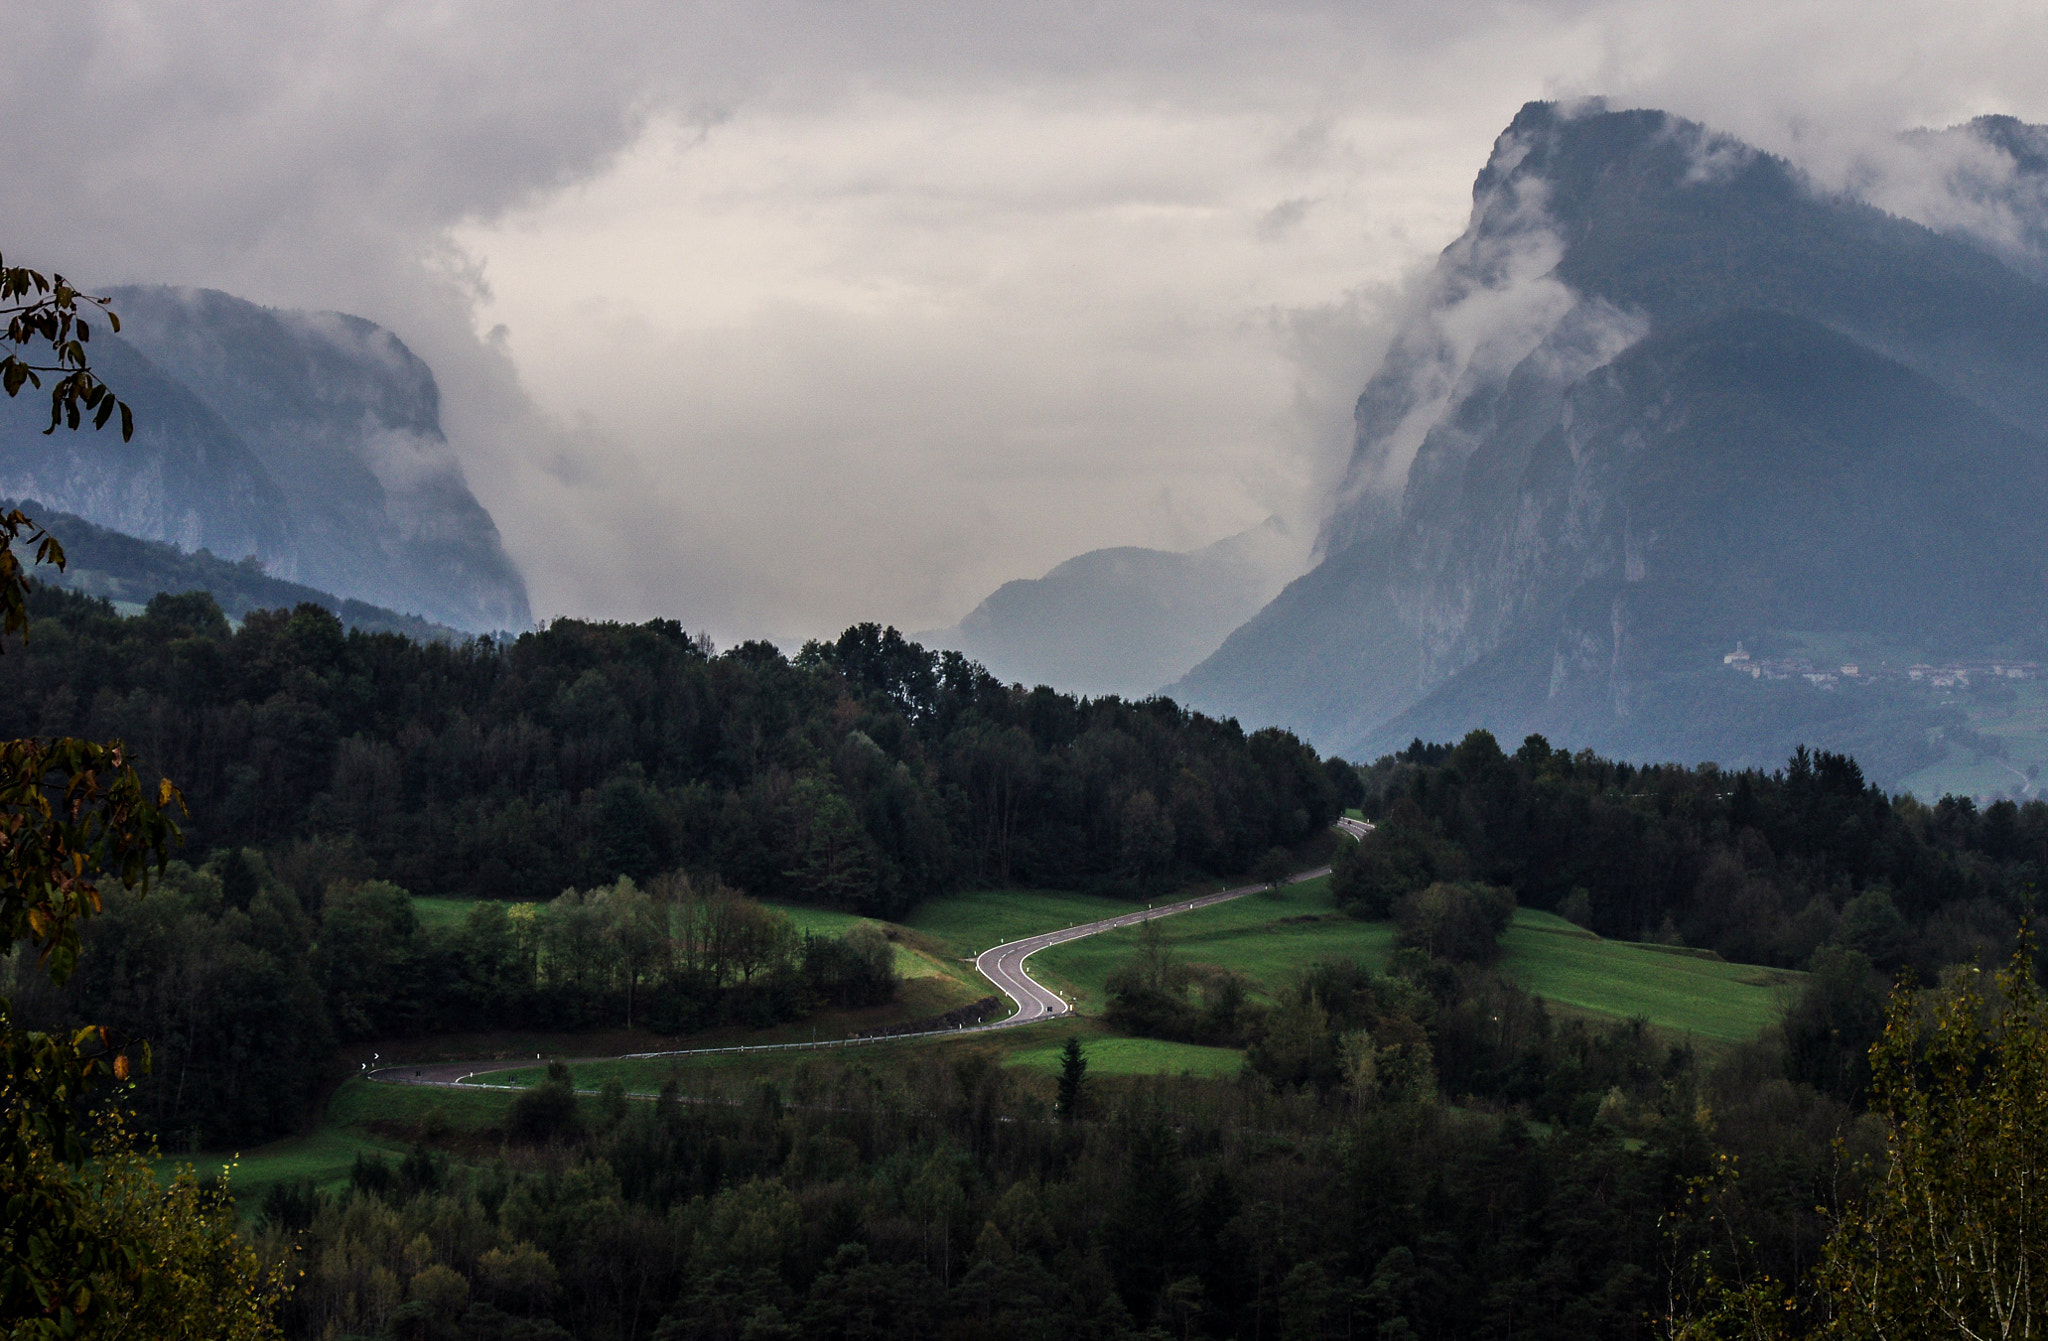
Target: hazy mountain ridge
x=129 y=571
x=310 y=440
x=1559 y=498
x=1123 y=620
x=347 y=420
x=185 y=479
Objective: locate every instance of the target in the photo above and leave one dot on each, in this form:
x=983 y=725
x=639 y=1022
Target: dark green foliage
x=866 y=774
x=893 y=1204
x=1402 y=854
x=1461 y=922
x=372 y=1174
x=239 y=880
x=1831 y=1027
x=1871 y=924
x=1146 y=1229
x=857 y=969
x=1759 y=867
x=1073 y=1074
x=227 y=998
x=547 y=1113
x=291 y=1204
x=1345 y=783
x=244 y=1006
x=1273 y=868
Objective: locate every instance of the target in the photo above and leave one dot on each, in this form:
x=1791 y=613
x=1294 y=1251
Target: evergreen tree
x=1073 y=1071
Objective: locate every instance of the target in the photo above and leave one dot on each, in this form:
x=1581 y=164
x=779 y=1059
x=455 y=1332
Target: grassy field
x=1263 y=937
x=1682 y=994
x=1034 y=1048
x=440 y=914
x=1267 y=939
x=362 y=1118
x=324 y=1156
x=966 y=924
x=1112 y=1056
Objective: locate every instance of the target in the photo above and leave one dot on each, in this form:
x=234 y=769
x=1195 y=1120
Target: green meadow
x=966 y=924
x=362 y=1118
x=1269 y=939
x=1674 y=991
x=1109 y=1055
x=1035 y=1049
x=1265 y=937
x=323 y=1157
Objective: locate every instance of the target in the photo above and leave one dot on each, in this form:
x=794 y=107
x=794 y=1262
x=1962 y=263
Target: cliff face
x=185 y=478
x=347 y=420
x=1661 y=396
x=311 y=440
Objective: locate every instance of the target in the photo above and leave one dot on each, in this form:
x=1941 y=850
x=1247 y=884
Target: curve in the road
x=1002 y=966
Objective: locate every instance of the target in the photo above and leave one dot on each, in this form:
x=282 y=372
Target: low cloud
x=770 y=316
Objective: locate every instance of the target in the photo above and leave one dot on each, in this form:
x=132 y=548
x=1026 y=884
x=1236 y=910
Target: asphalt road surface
x=1003 y=966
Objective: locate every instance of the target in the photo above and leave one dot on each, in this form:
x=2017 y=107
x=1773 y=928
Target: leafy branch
x=54 y=317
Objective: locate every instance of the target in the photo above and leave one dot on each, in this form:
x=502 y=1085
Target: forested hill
x=127 y=569
x=1760 y=867
x=865 y=774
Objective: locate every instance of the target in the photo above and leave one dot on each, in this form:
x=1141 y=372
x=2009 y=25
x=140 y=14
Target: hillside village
x=1935 y=675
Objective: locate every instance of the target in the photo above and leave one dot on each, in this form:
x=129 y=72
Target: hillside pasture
x=1266 y=937
x=1677 y=993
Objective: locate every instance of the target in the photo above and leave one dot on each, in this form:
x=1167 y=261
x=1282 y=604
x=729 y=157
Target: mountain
x=310 y=440
x=1664 y=395
x=129 y=571
x=1126 y=620
x=1986 y=180
x=185 y=478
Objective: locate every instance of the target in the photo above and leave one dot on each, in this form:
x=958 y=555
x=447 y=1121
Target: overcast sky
x=773 y=316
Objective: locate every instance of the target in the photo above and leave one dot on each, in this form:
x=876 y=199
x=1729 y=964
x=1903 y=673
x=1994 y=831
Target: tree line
x=865 y=773
x=861 y=1199
x=1760 y=867
x=245 y=998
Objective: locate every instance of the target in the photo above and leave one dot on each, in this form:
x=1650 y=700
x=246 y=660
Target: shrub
x=1459 y=922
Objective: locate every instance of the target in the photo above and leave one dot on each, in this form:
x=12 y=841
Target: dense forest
x=864 y=1200
x=1423 y=1149
x=1807 y=867
x=1763 y=868
x=1427 y=1151
x=864 y=774
x=636 y=792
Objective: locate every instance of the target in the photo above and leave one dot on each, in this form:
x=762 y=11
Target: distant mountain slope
x=129 y=571
x=186 y=478
x=1125 y=620
x=1661 y=396
x=346 y=420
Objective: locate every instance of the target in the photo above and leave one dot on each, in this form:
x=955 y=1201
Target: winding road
x=1002 y=966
